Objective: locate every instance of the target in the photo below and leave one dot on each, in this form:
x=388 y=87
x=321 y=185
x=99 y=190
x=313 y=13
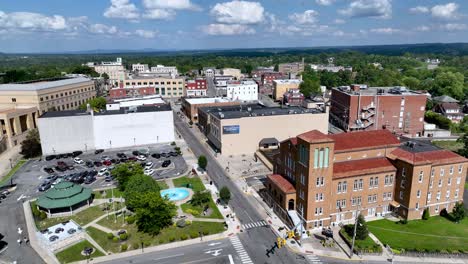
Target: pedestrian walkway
x=313 y=259
x=244 y=256
x=254 y=224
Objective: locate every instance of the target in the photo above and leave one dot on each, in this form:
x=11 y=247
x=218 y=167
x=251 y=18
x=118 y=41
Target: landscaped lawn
x=437 y=233
x=198 y=210
x=101 y=238
x=106 y=194
x=113 y=222
x=169 y=234
x=73 y=253
x=451 y=145
x=367 y=244
x=12 y=171
x=466 y=185
x=197 y=184
x=162 y=185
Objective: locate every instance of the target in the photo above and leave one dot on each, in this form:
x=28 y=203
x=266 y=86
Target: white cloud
x=146 y=33
x=170 y=4
x=159 y=14
x=26 y=21
x=225 y=29
x=238 y=12
x=339 y=21
x=308 y=17
x=368 y=8
x=324 y=2
x=122 y=9
x=447 y=11
x=454 y=27
x=423 y=28
x=419 y=10
x=102 y=29
x=387 y=30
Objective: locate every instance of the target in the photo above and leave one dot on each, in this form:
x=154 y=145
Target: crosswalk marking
x=255 y=224
x=314 y=259
x=243 y=255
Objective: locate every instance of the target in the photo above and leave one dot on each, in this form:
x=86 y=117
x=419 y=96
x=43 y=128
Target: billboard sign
x=231 y=129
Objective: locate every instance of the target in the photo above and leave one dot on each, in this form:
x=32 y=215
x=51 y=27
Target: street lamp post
x=355 y=228
x=11 y=164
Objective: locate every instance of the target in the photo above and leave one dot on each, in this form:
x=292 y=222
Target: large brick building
x=394 y=108
x=328 y=178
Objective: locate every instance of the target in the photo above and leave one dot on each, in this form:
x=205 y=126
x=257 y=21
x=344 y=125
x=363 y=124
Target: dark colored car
x=44 y=186
x=165 y=155
x=327 y=232
x=61 y=163
x=92 y=173
x=123 y=159
x=50 y=157
x=121 y=155
x=61 y=168
x=156 y=155
x=77 y=153
x=132 y=158
x=108 y=179
x=136 y=153
x=98 y=151
x=97 y=163
x=71 y=231
x=63 y=156
x=89 y=179
x=89 y=164
x=53 y=238
x=58 y=230
x=166 y=163
x=51 y=178
x=173 y=154
x=49 y=170
x=78 y=179
x=2 y=196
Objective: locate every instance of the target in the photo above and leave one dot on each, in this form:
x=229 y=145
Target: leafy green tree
x=154 y=213
x=123 y=173
x=105 y=76
x=136 y=185
x=225 y=194
x=31 y=146
x=435 y=118
x=200 y=198
x=450 y=83
x=98 y=103
x=411 y=82
x=82 y=69
x=458 y=212
x=309 y=87
x=202 y=162
x=361 y=230
x=426 y=214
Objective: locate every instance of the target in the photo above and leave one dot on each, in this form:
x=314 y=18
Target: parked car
x=327 y=232
x=44 y=186
x=148 y=165
x=102 y=171
x=78 y=179
x=166 y=163
x=77 y=153
x=61 y=163
x=92 y=173
x=57 y=181
x=61 y=168
x=53 y=238
x=136 y=153
x=173 y=154
x=49 y=170
x=108 y=179
x=89 y=164
x=63 y=156
x=132 y=158
x=50 y=157
x=78 y=160
x=164 y=155
x=141 y=158
x=117 y=161
x=105 y=157
x=156 y=155
x=97 y=163
x=89 y=179
x=121 y=155
x=58 y=230
x=71 y=231
x=148 y=171
x=107 y=162
x=98 y=151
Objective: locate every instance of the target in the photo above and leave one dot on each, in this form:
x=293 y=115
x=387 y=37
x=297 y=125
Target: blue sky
x=66 y=25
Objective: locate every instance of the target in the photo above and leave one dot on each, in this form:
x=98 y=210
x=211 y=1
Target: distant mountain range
x=399 y=49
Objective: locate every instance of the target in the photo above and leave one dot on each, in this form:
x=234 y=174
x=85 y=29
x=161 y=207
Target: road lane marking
x=172 y=256
x=231 y=261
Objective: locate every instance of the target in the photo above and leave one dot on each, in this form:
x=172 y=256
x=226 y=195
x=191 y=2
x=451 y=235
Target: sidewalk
x=5 y=157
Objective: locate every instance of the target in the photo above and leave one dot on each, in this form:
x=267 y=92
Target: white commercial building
x=330 y=68
x=221 y=81
x=233 y=72
x=133 y=102
x=114 y=69
x=243 y=90
x=161 y=69
x=68 y=131
x=140 y=67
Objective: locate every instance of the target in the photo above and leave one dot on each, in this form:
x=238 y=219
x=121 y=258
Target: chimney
x=355 y=88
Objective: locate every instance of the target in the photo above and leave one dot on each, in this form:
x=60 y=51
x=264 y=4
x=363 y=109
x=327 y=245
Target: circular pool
x=175 y=194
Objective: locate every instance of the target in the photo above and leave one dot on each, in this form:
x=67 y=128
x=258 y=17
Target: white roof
x=206 y=100
x=41 y=85
x=281 y=81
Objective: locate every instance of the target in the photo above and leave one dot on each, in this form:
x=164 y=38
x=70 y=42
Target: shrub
x=403 y=221
x=173 y=143
x=225 y=194
x=188 y=222
x=171 y=239
x=123 y=247
x=161 y=241
x=110 y=236
x=147 y=243
x=425 y=215
x=42 y=215
x=130 y=219
x=135 y=245
x=123 y=236
x=192 y=212
x=206 y=232
x=193 y=234
x=183 y=237
x=444 y=212
x=181 y=223
x=458 y=212
x=115 y=239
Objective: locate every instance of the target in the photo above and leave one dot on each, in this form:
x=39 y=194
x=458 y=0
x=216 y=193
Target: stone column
x=9 y=132
x=29 y=121
x=17 y=125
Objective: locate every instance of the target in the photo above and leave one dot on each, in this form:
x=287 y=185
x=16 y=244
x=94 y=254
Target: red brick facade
x=122 y=92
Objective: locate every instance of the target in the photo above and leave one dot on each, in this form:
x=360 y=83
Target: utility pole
x=355 y=228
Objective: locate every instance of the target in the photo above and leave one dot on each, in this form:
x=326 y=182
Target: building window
x=319 y=197
x=345 y=187
x=460 y=168
x=417 y=206
x=440 y=182
x=438 y=196
x=355 y=187
x=449 y=181
x=339 y=187
x=402 y=184
x=429 y=196
x=401 y=194
x=431 y=183
x=442 y=172
x=436 y=209
x=361 y=184
x=371 y=183
x=302 y=179
x=432 y=172
x=451 y=170
x=303 y=157
x=13 y=100
x=301 y=194
x=327 y=152
x=421 y=175
x=403 y=172
x=458 y=180
x=321 y=161
x=418 y=194
x=456 y=194
x=376 y=182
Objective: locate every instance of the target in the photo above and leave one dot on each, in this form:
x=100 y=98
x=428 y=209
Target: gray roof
x=40 y=85
x=269 y=141
x=445 y=99
x=121 y=111
x=232 y=112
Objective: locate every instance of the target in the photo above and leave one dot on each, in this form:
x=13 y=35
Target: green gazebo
x=64 y=197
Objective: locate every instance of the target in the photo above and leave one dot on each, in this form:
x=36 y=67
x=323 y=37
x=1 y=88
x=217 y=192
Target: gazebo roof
x=64 y=194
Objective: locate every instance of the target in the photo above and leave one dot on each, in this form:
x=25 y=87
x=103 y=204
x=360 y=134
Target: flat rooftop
x=252 y=110
x=210 y=100
x=42 y=84
x=381 y=91
x=287 y=81
x=121 y=111
x=417 y=146
x=153 y=98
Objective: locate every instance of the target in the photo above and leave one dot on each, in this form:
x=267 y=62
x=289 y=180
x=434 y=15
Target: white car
x=78 y=160
x=148 y=165
x=148 y=172
x=102 y=171
x=141 y=158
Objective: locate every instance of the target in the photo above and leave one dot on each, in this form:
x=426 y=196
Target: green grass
x=168 y=234
x=111 y=223
x=435 y=234
x=73 y=253
x=7 y=177
x=466 y=185
x=367 y=244
x=198 y=210
x=197 y=184
x=101 y=238
x=451 y=145
x=162 y=185
x=106 y=194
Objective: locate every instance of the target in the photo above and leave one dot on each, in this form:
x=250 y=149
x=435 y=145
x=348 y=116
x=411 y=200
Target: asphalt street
x=211 y=91
x=257 y=241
